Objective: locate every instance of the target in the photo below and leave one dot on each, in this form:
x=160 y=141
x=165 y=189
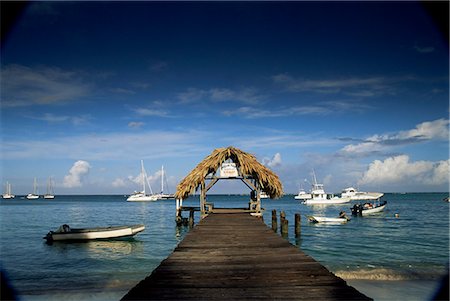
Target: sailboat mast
x=143 y=175
x=162 y=179
x=35 y=186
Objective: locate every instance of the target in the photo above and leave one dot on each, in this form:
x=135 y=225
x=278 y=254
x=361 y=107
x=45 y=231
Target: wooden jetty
x=230 y=256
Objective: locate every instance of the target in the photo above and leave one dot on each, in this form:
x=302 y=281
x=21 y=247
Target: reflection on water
x=111 y=249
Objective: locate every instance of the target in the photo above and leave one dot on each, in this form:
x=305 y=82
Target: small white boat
x=142 y=196
x=368 y=208
x=64 y=232
x=8 y=194
x=303 y=195
x=356 y=195
x=323 y=219
x=263 y=195
x=34 y=195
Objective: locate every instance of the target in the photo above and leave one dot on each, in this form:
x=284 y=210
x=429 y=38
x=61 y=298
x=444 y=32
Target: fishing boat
x=50 y=193
x=368 y=208
x=356 y=195
x=320 y=197
x=162 y=195
x=34 y=195
x=322 y=219
x=65 y=232
x=142 y=196
x=8 y=194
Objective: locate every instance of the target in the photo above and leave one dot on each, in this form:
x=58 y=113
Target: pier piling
x=274 y=221
x=297 y=224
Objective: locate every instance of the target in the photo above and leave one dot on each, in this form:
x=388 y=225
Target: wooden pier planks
x=236 y=256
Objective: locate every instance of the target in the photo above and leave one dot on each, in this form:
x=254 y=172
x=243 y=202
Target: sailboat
x=8 y=194
x=34 y=195
x=142 y=196
x=162 y=195
x=50 y=193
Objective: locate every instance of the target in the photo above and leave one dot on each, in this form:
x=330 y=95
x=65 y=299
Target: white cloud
x=323 y=108
x=425 y=131
x=113 y=146
x=76 y=174
x=363 y=87
x=437 y=129
x=399 y=170
x=244 y=95
x=426 y=49
x=275 y=161
x=151 y=112
x=52 y=118
x=118 y=183
x=136 y=124
x=25 y=86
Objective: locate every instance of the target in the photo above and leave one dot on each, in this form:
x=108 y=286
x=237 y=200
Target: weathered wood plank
x=235 y=256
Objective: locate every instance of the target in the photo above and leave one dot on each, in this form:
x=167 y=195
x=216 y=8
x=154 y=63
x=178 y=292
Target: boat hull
x=362 y=211
x=323 y=219
x=142 y=198
x=305 y=196
x=326 y=201
x=95 y=233
x=32 y=197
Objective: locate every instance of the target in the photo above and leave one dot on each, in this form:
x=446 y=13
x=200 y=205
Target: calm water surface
x=414 y=246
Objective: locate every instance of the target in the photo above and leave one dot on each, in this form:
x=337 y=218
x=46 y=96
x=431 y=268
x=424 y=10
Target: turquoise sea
x=377 y=253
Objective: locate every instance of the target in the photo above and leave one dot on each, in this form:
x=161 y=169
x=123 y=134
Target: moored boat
x=8 y=194
x=34 y=195
x=65 y=232
x=368 y=208
x=162 y=195
x=50 y=194
x=142 y=196
x=356 y=195
x=323 y=219
x=302 y=195
x=320 y=197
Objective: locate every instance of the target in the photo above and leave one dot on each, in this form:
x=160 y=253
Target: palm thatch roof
x=245 y=162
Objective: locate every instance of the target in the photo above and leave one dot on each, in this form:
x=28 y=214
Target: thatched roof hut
x=246 y=164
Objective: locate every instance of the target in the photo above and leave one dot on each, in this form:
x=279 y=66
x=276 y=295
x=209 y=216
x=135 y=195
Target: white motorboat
x=8 y=194
x=50 y=193
x=65 y=232
x=368 y=208
x=356 y=195
x=263 y=195
x=320 y=197
x=142 y=196
x=34 y=195
x=302 y=195
x=323 y=219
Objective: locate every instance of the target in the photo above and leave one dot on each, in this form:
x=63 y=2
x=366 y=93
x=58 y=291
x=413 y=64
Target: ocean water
x=380 y=250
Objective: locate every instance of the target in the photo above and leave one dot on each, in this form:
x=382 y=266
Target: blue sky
x=357 y=91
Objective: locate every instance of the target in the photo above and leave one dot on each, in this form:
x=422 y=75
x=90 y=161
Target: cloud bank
x=399 y=169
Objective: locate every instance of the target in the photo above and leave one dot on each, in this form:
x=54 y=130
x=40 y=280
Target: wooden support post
x=282 y=218
x=274 y=221
x=297 y=224
x=191 y=218
x=285 y=228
